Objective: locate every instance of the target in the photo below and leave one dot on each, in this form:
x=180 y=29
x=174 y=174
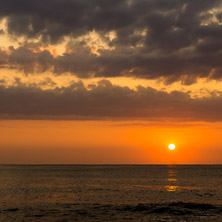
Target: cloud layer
x=106 y=101
x=175 y=39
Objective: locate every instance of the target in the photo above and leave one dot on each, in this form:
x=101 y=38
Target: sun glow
x=171 y=146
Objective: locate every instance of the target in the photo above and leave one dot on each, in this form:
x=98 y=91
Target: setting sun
x=171 y=146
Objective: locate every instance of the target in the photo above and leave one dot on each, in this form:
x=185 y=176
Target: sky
x=110 y=82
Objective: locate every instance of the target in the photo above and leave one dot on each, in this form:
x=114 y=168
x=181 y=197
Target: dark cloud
x=174 y=39
x=84 y=64
x=3 y=58
x=106 y=101
x=24 y=58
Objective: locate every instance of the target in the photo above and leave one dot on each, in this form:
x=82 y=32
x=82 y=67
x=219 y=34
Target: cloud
x=24 y=58
x=173 y=39
x=106 y=101
x=85 y=64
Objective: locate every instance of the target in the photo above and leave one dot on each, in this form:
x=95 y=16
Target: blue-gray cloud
x=183 y=38
x=106 y=101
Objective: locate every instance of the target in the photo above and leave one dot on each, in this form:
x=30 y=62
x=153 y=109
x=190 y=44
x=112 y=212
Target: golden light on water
x=172 y=185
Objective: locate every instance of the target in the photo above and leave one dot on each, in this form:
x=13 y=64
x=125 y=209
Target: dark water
x=111 y=193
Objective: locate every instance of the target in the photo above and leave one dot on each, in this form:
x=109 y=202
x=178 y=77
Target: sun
x=171 y=146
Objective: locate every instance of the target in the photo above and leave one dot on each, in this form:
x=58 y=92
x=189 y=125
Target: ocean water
x=110 y=193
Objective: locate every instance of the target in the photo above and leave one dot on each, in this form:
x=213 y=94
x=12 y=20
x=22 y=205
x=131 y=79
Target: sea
x=64 y=193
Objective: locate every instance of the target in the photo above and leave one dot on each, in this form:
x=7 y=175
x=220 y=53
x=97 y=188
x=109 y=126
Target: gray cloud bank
x=106 y=101
x=175 y=39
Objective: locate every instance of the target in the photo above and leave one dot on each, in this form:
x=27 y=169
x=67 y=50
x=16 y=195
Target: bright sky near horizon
x=111 y=81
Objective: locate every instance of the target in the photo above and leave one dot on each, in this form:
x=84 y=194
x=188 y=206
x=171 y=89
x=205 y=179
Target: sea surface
x=110 y=193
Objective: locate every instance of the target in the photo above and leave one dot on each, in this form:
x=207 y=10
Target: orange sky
x=106 y=142
x=110 y=83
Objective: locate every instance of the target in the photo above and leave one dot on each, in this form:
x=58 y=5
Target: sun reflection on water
x=171 y=188
x=172 y=181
